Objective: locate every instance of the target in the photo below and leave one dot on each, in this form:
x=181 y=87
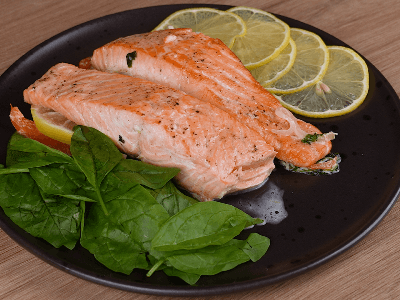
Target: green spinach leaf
x=256 y=246
x=187 y=277
x=215 y=259
x=52 y=218
x=25 y=153
x=121 y=239
x=13 y=170
x=200 y=225
x=96 y=155
x=172 y=199
x=148 y=175
x=53 y=179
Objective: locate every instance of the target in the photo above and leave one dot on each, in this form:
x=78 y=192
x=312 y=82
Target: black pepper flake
x=121 y=140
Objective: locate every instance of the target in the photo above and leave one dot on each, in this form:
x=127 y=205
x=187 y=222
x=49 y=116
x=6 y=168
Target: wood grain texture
x=370 y=270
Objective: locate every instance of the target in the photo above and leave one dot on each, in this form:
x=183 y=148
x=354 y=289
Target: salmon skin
x=205 y=68
x=160 y=125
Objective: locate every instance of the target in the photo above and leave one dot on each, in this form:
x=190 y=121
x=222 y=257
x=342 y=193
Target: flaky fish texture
x=160 y=125
x=205 y=68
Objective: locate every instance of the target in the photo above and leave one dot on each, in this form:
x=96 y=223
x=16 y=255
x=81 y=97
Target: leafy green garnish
x=172 y=199
x=27 y=153
x=53 y=218
x=315 y=172
x=121 y=239
x=310 y=138
x=127 y=213
x=96 y=155
x=130 y=57
x=215 y=259
x=201 y=225
x=210 y=260
x=148 y=175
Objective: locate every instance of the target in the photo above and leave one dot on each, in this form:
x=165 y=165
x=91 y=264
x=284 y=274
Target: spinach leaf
x=110 y=244
x=112 y=187
x=52 y=218
x=13 y=170
x=172 y=199
x=187 y=277
x=215 y=259
x=53 y=179
x=148 y=175
x=121 y=239
x=96 y=155
x=200 y=263
x=200 y=225
x=159 y=264
x=63 y=180
x=212 y=259
x=23 y=152
x=256 y=246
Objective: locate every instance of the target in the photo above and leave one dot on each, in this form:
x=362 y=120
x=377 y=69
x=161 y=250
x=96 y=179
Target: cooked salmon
x=205 y=68
x=160 y=125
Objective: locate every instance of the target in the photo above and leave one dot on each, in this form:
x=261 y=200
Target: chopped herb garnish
x=309 y=138
x=130 y=57
x=315 y=172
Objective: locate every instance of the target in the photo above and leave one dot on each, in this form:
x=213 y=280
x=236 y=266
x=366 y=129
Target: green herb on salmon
x=130 y=57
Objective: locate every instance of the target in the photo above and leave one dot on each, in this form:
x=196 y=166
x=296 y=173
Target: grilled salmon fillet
x=205 y=68
x=160 y=125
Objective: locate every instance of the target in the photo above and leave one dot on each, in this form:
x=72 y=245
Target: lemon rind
x=55 y=132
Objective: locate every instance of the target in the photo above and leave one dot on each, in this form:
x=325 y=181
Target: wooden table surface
x=370 y=270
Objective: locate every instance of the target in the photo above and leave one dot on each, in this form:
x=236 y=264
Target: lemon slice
x=265 y=38
x=215 y=23
x=343 y=88
x=310 y=65
x=276 y=68
x=52 y=124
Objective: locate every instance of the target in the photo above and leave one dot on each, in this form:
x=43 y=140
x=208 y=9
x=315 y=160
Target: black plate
x=326 y=215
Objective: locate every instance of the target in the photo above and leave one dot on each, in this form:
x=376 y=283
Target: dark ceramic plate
x=326 y=215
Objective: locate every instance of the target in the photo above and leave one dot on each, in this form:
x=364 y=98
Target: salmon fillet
x=205 y=68
x=160 y=125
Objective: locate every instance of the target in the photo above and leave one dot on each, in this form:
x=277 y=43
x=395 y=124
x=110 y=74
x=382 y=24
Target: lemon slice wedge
x=343 y=88
x=215 y=23
x=52 y=124
x=310 y=65
x=265 y=38
x=276 y=68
